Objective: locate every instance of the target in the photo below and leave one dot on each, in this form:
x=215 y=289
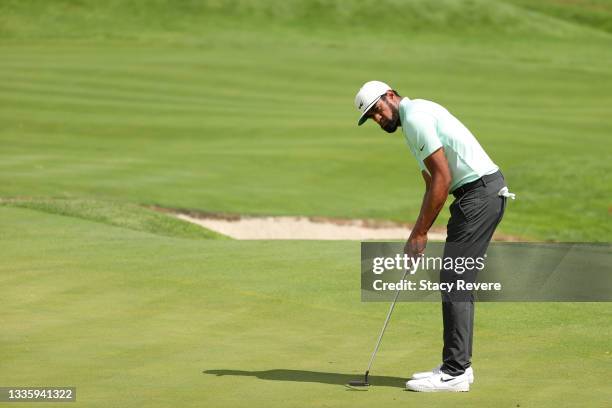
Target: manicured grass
x=138 y=319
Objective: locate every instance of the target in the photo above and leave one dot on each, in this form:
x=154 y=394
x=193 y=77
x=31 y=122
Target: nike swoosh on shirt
x=422 y=147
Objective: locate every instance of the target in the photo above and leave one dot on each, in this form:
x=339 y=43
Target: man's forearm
x=433 y=201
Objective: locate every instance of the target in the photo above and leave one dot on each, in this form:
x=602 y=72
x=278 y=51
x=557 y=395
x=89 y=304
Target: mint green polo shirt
x=428 y=126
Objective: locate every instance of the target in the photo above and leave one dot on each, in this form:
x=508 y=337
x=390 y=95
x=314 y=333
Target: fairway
x=246 y=108
x=262 y=122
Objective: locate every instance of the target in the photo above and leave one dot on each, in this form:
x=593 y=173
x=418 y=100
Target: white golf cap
x=367 y=96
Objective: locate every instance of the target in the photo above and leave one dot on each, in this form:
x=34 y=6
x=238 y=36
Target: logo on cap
x=367 y=96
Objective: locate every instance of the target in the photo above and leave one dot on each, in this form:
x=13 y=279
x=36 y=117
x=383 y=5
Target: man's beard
x=391 y=125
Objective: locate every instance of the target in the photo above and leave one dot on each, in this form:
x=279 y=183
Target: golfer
x=451 y=161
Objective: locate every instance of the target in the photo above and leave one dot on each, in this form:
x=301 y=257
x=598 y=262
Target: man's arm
x=437 y=183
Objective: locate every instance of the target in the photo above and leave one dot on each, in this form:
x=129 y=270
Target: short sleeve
x=422 y=128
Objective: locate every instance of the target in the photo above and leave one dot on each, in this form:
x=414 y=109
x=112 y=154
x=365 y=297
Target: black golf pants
x=475 y=213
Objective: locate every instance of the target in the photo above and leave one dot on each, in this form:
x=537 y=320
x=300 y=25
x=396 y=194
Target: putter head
x=358 y=383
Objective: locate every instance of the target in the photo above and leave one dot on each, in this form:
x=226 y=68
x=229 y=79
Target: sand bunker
x=243 y=227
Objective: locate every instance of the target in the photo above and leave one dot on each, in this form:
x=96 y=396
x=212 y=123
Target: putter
x=365 y=383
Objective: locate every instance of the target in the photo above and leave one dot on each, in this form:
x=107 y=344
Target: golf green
x=133 y=318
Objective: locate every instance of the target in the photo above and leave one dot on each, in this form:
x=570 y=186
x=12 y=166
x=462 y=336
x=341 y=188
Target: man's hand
x=415 y=246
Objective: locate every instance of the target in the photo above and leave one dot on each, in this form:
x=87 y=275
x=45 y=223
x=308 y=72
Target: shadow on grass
x=311 y=376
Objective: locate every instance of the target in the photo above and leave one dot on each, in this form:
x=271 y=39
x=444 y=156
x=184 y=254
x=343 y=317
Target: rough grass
x=128 y=216
x=171 y=19
x=592 y=13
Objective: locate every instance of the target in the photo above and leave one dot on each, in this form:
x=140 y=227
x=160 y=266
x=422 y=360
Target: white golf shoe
x=423 y=374
x=440 y=382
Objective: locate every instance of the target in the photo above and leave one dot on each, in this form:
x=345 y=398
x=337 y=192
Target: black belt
x=459 y=191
